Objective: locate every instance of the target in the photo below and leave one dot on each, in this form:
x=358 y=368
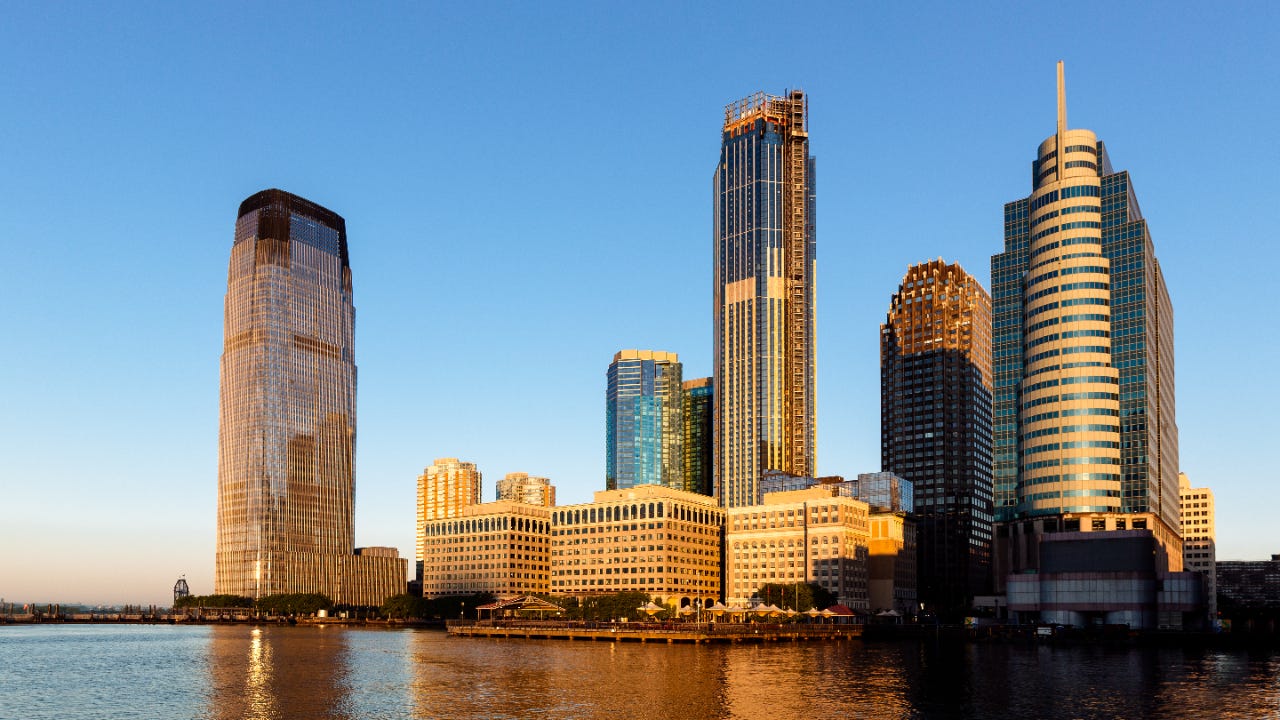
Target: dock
x=653 y=632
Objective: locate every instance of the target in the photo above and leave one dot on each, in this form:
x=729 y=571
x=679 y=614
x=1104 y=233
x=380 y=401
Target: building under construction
x=764 y=295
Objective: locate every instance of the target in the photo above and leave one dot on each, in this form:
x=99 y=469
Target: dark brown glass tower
x=935 y=426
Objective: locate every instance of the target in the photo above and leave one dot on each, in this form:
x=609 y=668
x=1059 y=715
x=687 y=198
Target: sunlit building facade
x=644 y=432
x=445 y=488
x=1199 y=543
x=698 y=399
x=650 y=538
x=501 y=548
x=286 y=429
x=526 y=488
x=765 y=262
x=815 y=535
x=935 y=425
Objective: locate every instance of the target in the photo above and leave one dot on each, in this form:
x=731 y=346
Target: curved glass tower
x=286 y=429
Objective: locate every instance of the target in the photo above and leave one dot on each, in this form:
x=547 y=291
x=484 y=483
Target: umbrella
x=719 y=609
x=686 y=610
x=650 y=608
x=812 y=612
x=889 y=613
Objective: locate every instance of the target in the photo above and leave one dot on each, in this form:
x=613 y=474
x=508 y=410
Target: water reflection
x=269 y=673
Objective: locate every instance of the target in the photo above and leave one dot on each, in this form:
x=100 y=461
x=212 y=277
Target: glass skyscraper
x=765 y=259
x=287 y=420
x=698 y=399
x=643 y=427
x=1082 y=343
x=935 y=426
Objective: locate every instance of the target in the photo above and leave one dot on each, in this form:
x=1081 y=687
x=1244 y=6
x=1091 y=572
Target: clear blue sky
x=527 y=190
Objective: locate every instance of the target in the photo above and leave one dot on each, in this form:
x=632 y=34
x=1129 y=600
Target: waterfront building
x=445 y=488
x=644 y=433
x=501 y=548
x=815 y=535
x=765 y=261
x=1082 y=344
x=698 y=410
x=935 y=425
x=891 y=562
x=287 y=412
x=1199 y=546
x=649 y=538
x=881 y=491
x=525 y=488
x=1244 y=584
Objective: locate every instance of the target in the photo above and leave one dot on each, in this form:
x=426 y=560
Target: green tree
x=214 y=601
x=403 y=607
x=798 y=596
x=294 y=603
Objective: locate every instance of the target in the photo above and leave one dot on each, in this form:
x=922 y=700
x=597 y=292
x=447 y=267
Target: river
x=67 y=672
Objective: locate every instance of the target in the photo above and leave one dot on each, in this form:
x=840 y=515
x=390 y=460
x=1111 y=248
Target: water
x=272 y=673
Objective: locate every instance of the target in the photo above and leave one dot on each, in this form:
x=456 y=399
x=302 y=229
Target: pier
x=653 y=632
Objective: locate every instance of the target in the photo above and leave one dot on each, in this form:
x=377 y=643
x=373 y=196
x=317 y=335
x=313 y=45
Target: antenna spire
x=1062 y=101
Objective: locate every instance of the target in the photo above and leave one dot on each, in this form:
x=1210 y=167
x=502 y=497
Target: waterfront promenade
x=650 y=632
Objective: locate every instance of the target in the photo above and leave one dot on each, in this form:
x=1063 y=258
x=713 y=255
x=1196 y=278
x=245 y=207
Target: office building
x=814 y=535
x=1199 y=548
x=445 y=488
x=698 y=410
x=1082 y=344
x=525 y=488
x=501 y=548
x=765 y=262
x=881 y=491
x=891 y=562
x=649 y=538
x=287 y=411
x=1084 y=434
x=935 y=426
x=1250 y=584
x=644 y=433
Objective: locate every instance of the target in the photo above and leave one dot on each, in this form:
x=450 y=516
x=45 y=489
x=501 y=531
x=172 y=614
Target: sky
x=527 y=190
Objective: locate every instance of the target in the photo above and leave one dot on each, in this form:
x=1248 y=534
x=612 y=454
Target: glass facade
x=698 y=399
x=526 y=488
x=935 y=425
x=765 y=261
x=1082 y=345
x=644 y=431
x=286 y=432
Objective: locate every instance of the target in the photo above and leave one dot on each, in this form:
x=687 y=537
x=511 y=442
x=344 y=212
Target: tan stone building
x=1199 y=548
x=649 y=538
x=445 y=487
x=526 y=488
x=891 y=562
x=814 y=535
x=500 y=547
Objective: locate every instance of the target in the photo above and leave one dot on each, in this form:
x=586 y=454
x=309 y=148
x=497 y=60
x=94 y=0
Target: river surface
x=221 y=673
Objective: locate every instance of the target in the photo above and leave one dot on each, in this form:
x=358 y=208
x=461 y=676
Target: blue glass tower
x=643 y=420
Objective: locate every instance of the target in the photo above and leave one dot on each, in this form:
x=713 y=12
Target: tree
x=799 y=596
x=404 y=607
x=213 y=601
x=294 y=603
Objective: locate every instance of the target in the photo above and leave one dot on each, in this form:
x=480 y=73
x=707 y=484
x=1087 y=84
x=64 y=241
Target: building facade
x=1249 y=584
x=1199 y=546
x=445 y=488
x=815 y=535
x=649 y=538
x=502 y=548
x=891 y=562
x=698 y=410
x=644 y=432
x=526 y=488
x=287 y=412
x=765 y=262
x=935 y=425
x=1082 y=344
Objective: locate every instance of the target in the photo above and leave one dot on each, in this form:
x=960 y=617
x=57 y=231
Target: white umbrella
x=650 y=608
x=719 y=609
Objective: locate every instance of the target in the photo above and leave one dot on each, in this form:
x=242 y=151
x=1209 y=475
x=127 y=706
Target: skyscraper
x=1199 y=539
x=528 y=489
x=765 y=259
x=644 y=434
x=698 y=408
x=935 y=425
x=445 y=488
x=286 y=426
x=1082 y=343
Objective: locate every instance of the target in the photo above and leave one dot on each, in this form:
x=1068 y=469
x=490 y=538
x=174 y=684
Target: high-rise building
x=1082 y=343
x=528 y=489
x=765 y=261
x=644 y=434
x=500 y=548
x=287 y=420
x=1199 y=546
x=935 y=425
x=445 y=488
x=698 y=398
